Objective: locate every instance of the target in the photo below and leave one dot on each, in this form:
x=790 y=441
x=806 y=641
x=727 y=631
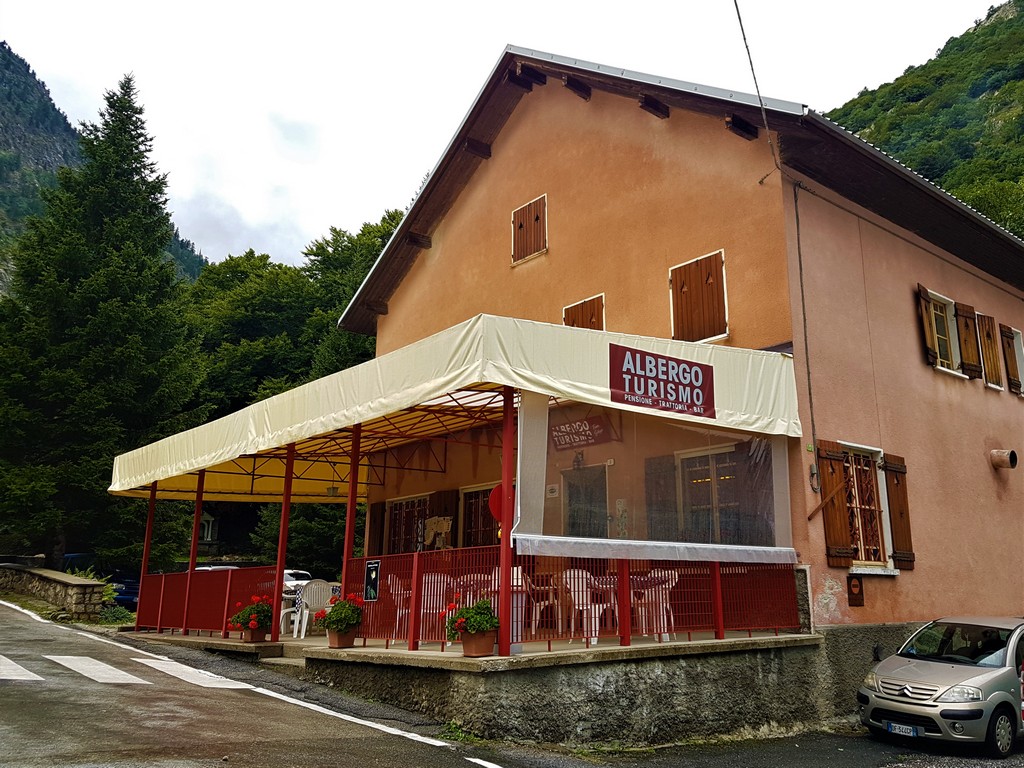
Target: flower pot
x=254 y=635
x=479 y=643
x=344 y=639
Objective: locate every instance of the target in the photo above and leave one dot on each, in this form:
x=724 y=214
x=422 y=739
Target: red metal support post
x=415 y=602
x=717 y=606
x=282 y=542
x=144 y=569
x=508 y=476
x=194 y=551
x=625 y=594
x=350 y=509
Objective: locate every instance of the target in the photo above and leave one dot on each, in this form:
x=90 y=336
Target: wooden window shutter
x=374 y=544
x=924 y=307
x=967 y=330
x=1010 y=357
x=530 y=229
x=698 y=298
x=990 y=350
x=895 y=469
x=661 y=493
x=586 y=314
x=838 y=549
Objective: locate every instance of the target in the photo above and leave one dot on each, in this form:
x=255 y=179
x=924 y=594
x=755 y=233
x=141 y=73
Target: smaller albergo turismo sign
x=581 y=432
x=636 y=377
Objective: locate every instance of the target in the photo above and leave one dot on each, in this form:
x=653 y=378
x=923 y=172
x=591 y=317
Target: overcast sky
x=276 y=121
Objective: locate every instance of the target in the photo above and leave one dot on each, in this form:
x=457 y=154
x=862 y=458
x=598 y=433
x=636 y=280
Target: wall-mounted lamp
x=577 y=460
x=1003 y=459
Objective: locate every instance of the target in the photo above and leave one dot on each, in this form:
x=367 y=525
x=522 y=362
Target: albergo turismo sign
x=636 y=377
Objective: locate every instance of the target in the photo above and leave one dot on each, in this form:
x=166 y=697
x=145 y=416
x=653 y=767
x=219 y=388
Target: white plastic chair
x=541 y=597
x=653 y=604
x=437 y=593
x=316 y=595
x=579 y=589
x=401 y=595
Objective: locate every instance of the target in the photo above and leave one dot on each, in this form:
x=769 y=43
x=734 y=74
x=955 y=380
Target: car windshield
x=297 y=576
x=958 y=643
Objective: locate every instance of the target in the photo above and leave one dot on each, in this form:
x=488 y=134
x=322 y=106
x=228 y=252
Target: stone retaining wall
x=675 y=693
x=81 y=599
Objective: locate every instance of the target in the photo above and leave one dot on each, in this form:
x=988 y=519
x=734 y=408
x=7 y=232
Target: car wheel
x=1001 y=733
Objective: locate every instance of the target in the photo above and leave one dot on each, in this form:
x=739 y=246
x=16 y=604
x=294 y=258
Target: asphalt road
x=189 y=708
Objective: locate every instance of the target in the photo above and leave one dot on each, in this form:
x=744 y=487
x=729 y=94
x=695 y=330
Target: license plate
x=902 y=730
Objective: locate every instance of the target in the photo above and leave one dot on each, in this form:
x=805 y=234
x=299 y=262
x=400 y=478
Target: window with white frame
x=950 y=333
x=864 y=505
x=1013 y=356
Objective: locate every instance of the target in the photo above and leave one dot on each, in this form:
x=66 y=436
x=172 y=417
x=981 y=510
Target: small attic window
x=530 y=229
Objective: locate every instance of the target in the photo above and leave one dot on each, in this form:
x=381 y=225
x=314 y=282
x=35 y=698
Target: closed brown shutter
x=586 y=314
x=895 y=469
x=1010 y=356
x=834 y=512
x=990 y=350
x=661 y=492
x=698 y=299
x=374 y=544
x=967 y=330
x=924 y=307
x=530 y=229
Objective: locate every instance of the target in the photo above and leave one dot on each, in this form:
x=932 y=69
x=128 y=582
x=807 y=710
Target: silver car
x=956 y=679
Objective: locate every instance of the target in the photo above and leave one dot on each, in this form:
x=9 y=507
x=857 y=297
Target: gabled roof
x=808 y=143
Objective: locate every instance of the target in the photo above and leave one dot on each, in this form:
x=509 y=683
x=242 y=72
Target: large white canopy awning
x=446 y=384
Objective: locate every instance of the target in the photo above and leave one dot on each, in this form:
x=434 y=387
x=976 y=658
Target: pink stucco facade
x=630 y=196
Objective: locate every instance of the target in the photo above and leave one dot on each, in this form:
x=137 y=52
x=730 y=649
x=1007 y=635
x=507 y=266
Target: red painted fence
x=554 y=598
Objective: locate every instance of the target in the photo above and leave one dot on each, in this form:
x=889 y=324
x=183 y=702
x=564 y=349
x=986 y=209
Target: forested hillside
x=103 y=348
x=958 y=119
x=35 y=140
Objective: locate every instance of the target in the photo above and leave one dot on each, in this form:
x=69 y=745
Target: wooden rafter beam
x=418 y=240
x=477 y=148
x=650 y=104
x=577 y=86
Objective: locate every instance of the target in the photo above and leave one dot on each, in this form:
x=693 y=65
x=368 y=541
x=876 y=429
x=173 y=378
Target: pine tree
x=94 y=357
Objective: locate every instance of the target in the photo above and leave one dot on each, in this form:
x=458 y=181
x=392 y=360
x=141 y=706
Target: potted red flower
x=253 y=620
x=477 y=627
x=341 y=619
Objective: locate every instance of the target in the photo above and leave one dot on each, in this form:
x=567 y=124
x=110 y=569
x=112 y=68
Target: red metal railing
x=584 y=599
x=213 y=597
x=553 y=598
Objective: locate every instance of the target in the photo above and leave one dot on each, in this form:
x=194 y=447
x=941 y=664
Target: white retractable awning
x=450 y=382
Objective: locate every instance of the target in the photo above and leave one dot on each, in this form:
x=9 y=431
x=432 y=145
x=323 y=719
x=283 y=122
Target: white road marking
x=120 y=645
x=190 y=675
x=356 y=720
x=9 y=670
x=22 y=610
x=96 y=670
x=484 y=763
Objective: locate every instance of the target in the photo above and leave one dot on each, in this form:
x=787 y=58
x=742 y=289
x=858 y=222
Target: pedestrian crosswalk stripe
x=9 y=670
x=190 y=675
x=96 y=670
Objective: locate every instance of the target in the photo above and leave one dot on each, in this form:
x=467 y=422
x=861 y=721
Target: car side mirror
x=876 y=652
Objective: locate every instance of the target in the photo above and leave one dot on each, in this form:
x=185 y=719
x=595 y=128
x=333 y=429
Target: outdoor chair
x=401 y=595
x=316 y=595
x=579 y=588
x=542 y=597
x=653 y=603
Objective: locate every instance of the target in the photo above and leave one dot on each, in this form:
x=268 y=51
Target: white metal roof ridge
x=723 y=94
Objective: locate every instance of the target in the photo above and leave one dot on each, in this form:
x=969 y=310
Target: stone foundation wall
x=751 y=688
x=81 y=599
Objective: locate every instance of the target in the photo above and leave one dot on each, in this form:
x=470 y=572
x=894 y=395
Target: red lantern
x=495 y=501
